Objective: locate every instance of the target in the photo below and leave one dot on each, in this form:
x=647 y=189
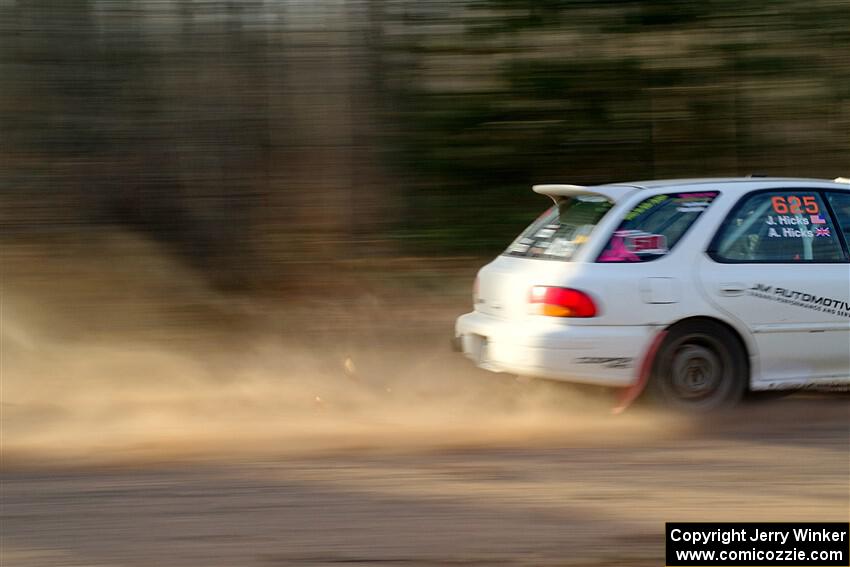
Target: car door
x=839 y=204
x=779 y=265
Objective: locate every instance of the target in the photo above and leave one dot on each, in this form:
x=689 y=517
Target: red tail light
x=561 y=302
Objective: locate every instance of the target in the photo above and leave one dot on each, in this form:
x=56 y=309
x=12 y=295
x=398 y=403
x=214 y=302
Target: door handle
x=732 y=289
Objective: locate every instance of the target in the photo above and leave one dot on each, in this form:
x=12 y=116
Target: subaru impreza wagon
x=690 y=291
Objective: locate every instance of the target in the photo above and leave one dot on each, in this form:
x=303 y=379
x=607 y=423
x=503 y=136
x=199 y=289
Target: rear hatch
x=543 y=253
x=505 y=283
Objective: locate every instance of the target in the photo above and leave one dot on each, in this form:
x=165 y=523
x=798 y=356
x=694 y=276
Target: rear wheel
x=700 y=367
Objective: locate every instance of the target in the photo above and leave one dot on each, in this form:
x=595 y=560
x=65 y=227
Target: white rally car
x=694 y=290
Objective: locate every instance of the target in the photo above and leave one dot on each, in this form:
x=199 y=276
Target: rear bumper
x=549 y=348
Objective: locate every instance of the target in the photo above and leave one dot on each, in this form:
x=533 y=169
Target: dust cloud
x=112 y=351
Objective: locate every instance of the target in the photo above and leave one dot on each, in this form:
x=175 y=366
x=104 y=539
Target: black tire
x=700 y=367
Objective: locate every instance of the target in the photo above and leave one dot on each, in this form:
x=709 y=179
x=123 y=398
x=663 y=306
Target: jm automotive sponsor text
x=829 y=305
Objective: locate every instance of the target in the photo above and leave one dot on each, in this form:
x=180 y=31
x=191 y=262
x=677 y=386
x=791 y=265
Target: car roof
x=618 y=191
x=735 y=183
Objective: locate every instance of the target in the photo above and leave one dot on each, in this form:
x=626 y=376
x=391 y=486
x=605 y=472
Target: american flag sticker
x=817 y=219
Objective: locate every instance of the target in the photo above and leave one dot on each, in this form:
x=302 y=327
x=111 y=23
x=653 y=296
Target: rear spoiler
x=560 y=192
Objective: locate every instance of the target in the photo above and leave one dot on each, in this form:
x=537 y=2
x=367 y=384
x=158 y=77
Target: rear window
x=654 y=226
x=561 y=231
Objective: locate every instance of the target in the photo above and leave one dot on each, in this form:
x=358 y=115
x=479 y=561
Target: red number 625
x=795 y=205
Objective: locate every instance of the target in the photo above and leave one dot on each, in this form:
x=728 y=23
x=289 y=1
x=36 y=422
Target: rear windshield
x=654 y=226
x=560 y=232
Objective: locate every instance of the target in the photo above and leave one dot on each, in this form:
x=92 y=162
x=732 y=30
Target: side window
x=653 y=227
x=778 y=226
x=840 y=203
